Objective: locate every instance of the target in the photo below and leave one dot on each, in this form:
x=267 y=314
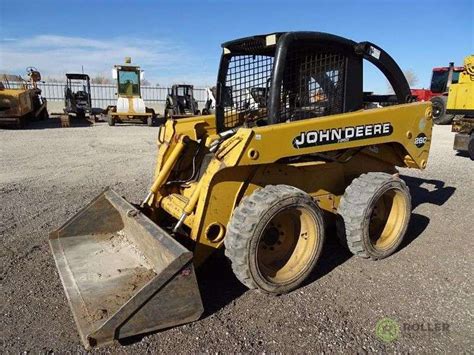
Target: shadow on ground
x=463 y=154
x=333 y=255
x=416 y=227
x=50 y=123
x=434 y=192
x=422 y=191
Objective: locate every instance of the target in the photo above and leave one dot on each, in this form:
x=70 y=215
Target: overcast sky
x=180 y=40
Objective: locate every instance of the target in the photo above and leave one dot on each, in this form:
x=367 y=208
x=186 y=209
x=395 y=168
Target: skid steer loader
x=255 y=180
x=180 y=102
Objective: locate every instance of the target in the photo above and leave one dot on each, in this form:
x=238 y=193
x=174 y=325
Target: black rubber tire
x=81 y=115
x=169 y=113
x=356 y=207
x=44 y=115
x=111 y=120
x=21 y=122
x=439 y=110
x=159 y=120
x=246 y=227
x=150 y=121
x=470 y=146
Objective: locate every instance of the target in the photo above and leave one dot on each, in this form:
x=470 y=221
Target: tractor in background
x=441 y=80
x=130 y=106
x=21 y=100
x=180 y=102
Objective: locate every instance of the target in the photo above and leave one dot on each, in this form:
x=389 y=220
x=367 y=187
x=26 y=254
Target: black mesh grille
x=313 y=85
x=245 y=94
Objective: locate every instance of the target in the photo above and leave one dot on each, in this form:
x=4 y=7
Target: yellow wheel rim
x=287 y=245
x=387 y=220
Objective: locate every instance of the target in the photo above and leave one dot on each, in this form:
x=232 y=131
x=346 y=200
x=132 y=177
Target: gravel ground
x=48 y=174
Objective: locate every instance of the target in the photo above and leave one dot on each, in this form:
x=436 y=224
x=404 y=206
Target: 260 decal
x=421 y=140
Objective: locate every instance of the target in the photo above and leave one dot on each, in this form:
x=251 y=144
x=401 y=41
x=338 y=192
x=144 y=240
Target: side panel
x=216 y=205
x=408 y=126
x=18 y=101
x=461 y=98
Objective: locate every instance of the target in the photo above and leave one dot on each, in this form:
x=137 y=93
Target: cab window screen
x=128 y=83
x=312 y=86
x=244 y=95
x=439 y=81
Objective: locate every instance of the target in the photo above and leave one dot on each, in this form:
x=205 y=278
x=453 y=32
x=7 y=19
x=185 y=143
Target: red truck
x=441 y=79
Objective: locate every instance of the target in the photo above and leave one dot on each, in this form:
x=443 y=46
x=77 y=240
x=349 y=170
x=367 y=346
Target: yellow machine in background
x=261 y=181
x=461 y=104
x=130 y=106
x=461 y=94
x=21 y=100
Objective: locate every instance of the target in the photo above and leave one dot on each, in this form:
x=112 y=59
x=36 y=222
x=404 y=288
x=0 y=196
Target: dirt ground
x=47 y=174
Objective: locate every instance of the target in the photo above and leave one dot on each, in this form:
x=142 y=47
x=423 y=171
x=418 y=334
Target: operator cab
x=282 y=77
x=440 y=80
x=184 y=95
x=128 y=82
x=128 y=79
x=77 y=93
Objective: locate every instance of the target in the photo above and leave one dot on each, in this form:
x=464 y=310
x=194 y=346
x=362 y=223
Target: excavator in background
x=130 y=106
x=441 y=80
x=460 y=104
x=21 y=100
x=260 y=181
x=77 y=96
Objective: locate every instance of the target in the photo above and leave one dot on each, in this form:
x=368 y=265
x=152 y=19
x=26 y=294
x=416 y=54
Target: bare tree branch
x=411 y=77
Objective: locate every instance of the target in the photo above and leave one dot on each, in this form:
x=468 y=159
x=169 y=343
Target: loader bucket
x=123 y=275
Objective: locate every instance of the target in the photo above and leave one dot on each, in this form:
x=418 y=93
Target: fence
x=104 y=94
